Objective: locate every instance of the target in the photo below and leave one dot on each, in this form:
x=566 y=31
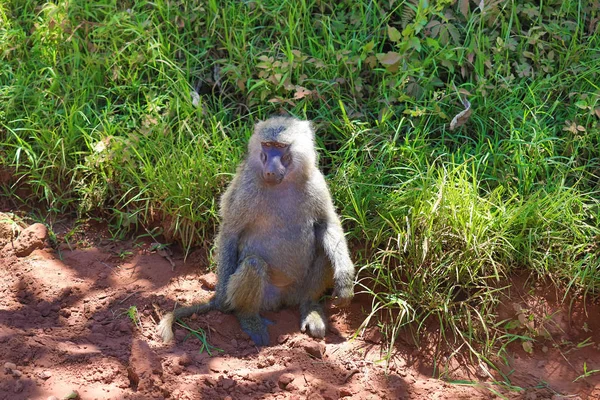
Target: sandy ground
x=65 y=332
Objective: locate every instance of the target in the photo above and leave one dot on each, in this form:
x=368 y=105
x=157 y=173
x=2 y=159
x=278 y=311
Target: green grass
x=97 y=117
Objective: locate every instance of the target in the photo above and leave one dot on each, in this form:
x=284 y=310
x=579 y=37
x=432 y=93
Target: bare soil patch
x=64 y=328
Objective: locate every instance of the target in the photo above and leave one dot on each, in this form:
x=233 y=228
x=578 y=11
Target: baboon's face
x=276 y=159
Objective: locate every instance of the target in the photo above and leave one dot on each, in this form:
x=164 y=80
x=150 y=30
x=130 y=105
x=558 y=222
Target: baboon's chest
x=283 y=235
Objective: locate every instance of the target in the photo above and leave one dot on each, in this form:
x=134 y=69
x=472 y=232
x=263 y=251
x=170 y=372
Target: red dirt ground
x=64 y=327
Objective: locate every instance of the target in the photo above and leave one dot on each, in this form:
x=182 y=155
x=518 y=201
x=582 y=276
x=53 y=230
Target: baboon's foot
x=314 y=322
x=256 y=327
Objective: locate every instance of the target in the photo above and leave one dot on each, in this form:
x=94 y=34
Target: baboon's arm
x=227 y=264
x=233 y=215
x=336 y=248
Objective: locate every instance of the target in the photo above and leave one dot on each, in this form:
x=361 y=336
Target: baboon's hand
x=342 y=296
x=256 y=327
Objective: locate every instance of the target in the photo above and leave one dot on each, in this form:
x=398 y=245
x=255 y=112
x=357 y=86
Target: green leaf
x=432 y=43
x=512 y=325
x=415 y=43
x=420 y=23
x=394 y=34
x=408 y=31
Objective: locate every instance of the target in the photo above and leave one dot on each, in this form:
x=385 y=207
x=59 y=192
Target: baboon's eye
x=267 y=144
x=279 y=145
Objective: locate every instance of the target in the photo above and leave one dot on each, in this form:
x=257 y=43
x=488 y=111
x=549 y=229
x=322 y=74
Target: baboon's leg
x=312 y=316
x=245 y=293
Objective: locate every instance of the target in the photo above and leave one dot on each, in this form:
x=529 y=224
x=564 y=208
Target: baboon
x=280 y=242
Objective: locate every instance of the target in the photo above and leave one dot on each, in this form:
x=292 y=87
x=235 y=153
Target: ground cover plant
x=138 y=112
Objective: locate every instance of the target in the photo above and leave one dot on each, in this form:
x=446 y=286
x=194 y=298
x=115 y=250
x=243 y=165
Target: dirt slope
x=64 y=327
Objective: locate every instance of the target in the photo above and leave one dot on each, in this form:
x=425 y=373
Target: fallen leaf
x=528 y=347
x=301 y=92
x=462 y=117
x=390 y=60
x=570 y=127
x=371 y=61
x=195 y=98
x=463 y=6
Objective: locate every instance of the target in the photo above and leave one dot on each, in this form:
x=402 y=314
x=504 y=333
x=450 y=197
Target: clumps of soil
x=19 y=239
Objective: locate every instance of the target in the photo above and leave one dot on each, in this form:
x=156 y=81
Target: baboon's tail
x=165 y=326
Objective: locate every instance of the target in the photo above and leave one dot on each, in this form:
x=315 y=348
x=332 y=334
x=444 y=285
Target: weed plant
x=138 y=112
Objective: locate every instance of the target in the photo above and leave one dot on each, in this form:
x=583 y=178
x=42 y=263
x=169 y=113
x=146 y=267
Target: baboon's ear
x=310 y=127
x=306 y=128
x=259 y=125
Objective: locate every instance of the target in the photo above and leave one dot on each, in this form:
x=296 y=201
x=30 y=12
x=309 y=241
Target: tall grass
x=139 y=112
